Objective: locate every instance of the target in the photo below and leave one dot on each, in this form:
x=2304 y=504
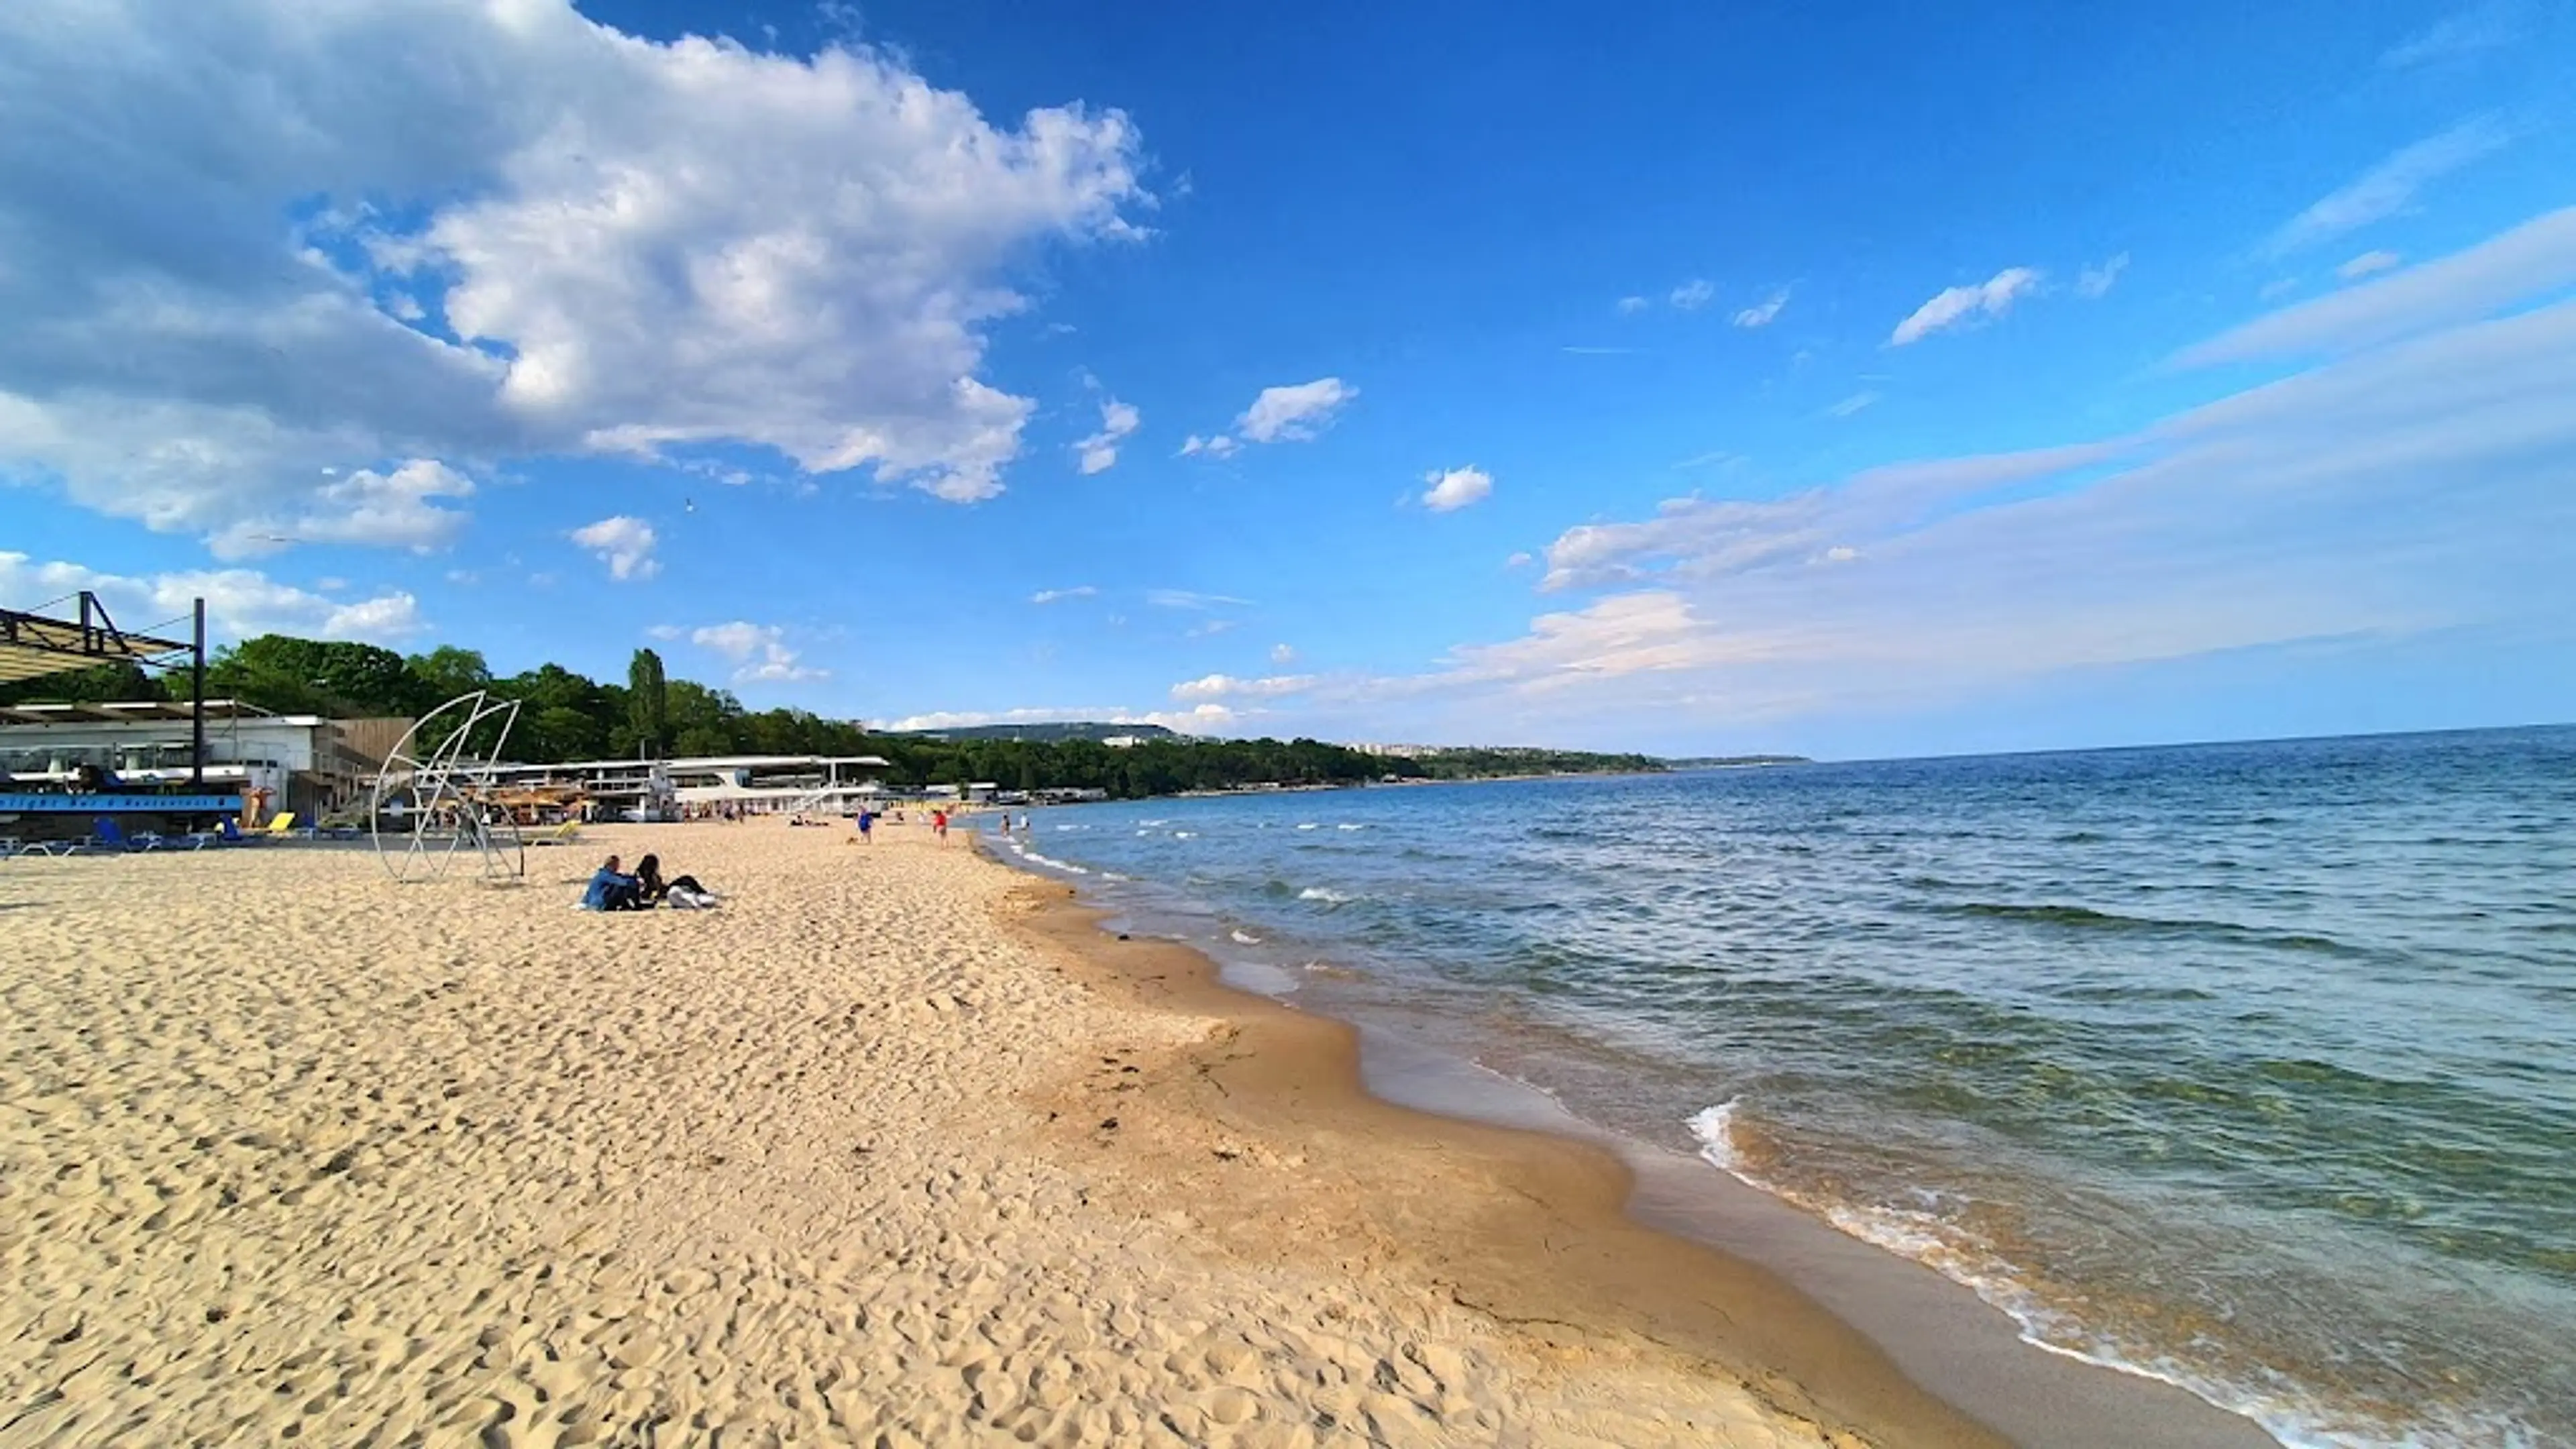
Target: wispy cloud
x=1049 y=596
x=1191 y=599
x=2097 y=280
x=2367 y=263
x=1850 y=405
x=1222 y=686
x=1631 y=306
x=1598 y=351
x=2482 y=27
x=1219 y=446
x=2389 y=187
x=1956 y=305
x=1099 y=452
x=1765 y=312
x=1455 y=488
x=1694 y=294
x=2530 y=260
x=1202 y=719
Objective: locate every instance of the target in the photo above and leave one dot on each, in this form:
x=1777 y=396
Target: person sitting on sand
x=680 y=890
x=613 y=890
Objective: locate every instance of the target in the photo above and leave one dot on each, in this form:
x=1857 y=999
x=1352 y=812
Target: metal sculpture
x=442 y=793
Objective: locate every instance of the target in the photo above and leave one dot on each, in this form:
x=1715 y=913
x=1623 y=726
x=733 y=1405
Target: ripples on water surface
x=2250 y=1065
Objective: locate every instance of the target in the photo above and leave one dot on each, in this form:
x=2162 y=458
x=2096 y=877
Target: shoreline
x=1846 y=1334
x=1532 y=1232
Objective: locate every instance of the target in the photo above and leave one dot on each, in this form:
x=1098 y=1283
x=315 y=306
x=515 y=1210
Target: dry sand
x=291 y=1153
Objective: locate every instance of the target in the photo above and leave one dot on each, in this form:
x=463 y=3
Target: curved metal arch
x=450 y=786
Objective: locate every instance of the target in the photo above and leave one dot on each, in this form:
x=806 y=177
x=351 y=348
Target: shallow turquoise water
x=2250 y=1065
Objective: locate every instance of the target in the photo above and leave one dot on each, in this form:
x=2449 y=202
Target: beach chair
x=567 y=833
x=283 y=828
x=226 y=832
x=107 y=835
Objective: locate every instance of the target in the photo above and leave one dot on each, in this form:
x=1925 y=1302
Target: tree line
x=567 y=716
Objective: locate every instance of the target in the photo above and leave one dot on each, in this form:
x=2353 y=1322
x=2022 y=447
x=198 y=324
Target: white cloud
x=1200 y=720
x=2532 y=259
x=377 y=509
x=239 y=602
x=1099 y=452
x=624 y=544
x=1282 y=414
x=759 y=652
x=524 y=233
x=2414 y=483
x=1852 y=404
x=1049 y=596
x=2367 y=263
x=1631 y=306
x=1219 y=446
x=1694 y=294
x=1954 y=305
x=1226 y=686
x=1764 y=313
x=1454 y=488
x=1190 y=599
x=2480 y=27
x=1519 y=560
x=667 y=633
x=1283 y=654
x=2389 y=187
x=2097 y=281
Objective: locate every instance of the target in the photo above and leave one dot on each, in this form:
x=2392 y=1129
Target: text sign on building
x=118 y=804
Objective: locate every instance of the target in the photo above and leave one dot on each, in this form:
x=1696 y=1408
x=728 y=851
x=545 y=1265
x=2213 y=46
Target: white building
x=304 y=763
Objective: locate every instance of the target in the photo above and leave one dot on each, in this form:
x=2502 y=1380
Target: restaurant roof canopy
x=33 y=645
x=120 y=711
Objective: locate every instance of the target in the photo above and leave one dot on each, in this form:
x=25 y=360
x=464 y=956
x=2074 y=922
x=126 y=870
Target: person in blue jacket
x=613 y=890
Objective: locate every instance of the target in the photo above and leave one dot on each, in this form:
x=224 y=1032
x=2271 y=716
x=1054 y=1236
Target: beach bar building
x=300 y=762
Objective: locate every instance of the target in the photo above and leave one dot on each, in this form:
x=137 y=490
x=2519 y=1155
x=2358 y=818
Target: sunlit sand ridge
x=289 y=1152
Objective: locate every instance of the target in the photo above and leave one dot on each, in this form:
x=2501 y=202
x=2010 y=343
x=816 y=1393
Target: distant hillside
x=1718 y=762
x=1051 y=732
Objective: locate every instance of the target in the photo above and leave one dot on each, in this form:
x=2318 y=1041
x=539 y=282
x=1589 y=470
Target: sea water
x=2252 y=1066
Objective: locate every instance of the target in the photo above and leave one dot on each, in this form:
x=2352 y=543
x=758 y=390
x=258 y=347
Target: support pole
x=197 y=705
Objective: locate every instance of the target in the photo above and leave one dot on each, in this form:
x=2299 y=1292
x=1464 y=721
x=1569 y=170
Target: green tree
x=444 y=673
x=120 y=680
x=648 y=702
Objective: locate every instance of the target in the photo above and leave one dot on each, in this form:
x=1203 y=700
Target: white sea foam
x=1185 y=835
x=1329 y=897
x=1244 y=938
x=1348 y=826
x=1306 y=825
x=2295 y=1420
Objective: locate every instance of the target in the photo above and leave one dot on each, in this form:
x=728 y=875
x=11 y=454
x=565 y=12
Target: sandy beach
x=896 y=1148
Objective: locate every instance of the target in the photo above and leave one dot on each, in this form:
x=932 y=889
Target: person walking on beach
x=939 y=826
x=867 y=820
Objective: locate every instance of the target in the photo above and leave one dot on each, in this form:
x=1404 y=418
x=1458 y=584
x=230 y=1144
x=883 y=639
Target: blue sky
x=1734 y=378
